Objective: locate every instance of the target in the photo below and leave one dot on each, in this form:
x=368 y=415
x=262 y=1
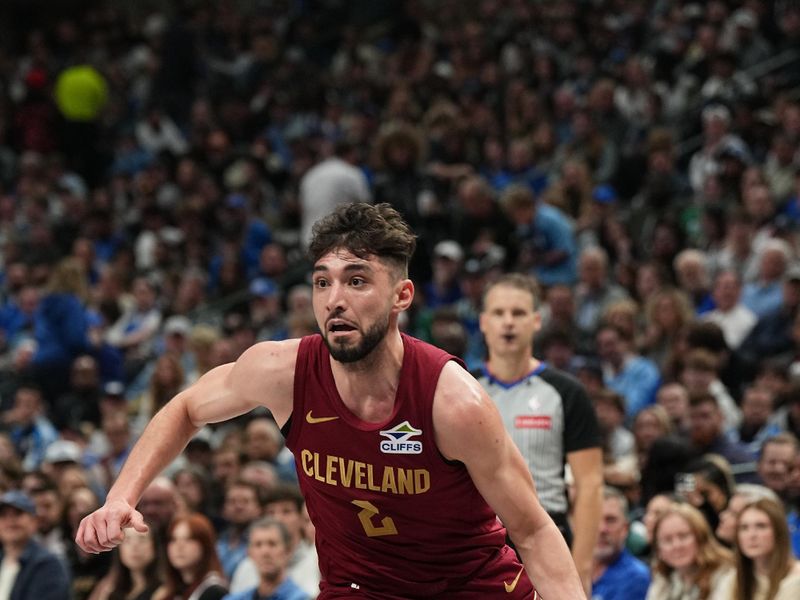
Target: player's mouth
x=509 y=337
x=338 y=326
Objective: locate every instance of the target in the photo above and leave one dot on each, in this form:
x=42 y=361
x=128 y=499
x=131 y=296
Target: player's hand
x=103 y=530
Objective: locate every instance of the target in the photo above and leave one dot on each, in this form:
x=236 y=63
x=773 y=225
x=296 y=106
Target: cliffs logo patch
x=399 y=439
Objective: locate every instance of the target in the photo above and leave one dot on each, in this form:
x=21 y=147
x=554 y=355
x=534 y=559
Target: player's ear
x=404 y=294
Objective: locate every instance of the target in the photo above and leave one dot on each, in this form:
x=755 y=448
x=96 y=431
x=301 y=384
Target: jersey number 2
x=365 y=515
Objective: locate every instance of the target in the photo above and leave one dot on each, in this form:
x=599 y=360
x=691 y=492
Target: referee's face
x=509 y=321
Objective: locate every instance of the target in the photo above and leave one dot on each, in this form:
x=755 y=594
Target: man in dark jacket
x=26 y=569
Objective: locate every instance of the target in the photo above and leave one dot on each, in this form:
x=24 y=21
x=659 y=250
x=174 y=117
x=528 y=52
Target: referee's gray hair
x=270 y=523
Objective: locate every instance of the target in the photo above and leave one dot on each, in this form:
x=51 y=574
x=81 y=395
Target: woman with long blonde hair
x=765 y=566
x=689 y=562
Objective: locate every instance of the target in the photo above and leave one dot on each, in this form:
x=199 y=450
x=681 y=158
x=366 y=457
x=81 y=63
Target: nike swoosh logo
x=315 y=420
x=510 y=587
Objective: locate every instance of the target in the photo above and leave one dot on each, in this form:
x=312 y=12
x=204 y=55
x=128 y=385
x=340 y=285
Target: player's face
x=509 y=321
x=355 y=301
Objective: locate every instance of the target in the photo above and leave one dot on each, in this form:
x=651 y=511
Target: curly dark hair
x=365 y=230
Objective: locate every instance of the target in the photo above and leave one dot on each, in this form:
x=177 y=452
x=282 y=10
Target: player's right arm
x=263 y=376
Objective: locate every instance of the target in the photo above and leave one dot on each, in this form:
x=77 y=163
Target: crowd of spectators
x=161 y=168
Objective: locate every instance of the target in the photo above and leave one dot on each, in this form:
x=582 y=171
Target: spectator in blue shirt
x=30 y=430
x=765 y=295
x=634 y=377
x=242 y=506
x=617 y=575
x=545 y=237
x=269 y=548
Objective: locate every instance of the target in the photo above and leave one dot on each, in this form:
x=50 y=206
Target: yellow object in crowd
x=81 y=92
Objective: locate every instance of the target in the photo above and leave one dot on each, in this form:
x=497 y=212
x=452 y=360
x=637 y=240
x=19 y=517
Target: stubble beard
x=349 y=354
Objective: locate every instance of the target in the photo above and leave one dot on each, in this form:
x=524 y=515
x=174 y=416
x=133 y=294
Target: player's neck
x=368 y=387
x=511 y=368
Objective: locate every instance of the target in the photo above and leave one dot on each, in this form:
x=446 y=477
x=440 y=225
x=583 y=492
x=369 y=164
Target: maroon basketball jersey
x=393 y=518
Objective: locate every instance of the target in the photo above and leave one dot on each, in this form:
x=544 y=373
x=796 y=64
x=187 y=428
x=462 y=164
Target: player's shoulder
x=458 y=393
x=276 y=357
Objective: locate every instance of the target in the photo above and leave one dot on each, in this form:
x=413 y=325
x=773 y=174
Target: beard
x=350 y=353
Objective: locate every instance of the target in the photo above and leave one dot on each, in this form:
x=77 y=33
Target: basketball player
x=399 y=451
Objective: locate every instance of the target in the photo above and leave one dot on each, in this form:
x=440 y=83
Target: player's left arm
x=587 y=471
x=469 y=429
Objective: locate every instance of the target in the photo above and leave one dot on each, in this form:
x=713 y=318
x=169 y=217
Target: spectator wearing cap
x=265 y=313
x=592 y=226
x=443 y=289
x=30 y=430
x=473 y=279
x=27 y=571
x=67 y=465
x=113 y=398
x=333 y=181
x=544 y=235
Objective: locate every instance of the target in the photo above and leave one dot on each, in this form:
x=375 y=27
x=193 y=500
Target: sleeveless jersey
x=393 y=518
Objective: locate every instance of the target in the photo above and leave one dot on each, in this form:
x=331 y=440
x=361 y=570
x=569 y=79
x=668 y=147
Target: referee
x=547 y=413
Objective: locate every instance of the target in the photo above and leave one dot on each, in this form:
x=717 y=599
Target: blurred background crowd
x=161 y=165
